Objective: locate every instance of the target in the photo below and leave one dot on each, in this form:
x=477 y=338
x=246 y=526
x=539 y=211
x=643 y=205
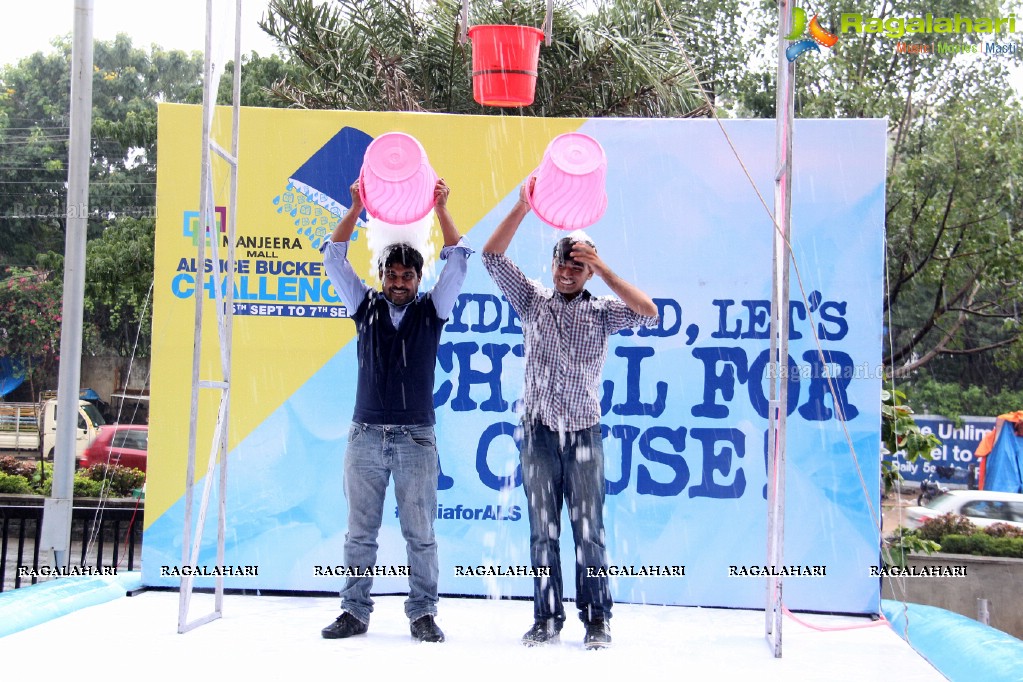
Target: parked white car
x=982 y=507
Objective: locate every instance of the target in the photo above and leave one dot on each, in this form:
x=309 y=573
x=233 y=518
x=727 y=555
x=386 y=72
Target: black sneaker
x=346 y=625
x=598 y=634
x=544 y=631
x=425 y=630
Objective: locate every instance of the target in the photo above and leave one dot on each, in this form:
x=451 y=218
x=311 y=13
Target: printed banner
x=953 y=463
x=684 y=404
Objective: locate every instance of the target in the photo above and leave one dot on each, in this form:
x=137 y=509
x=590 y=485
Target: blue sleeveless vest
x=396 y=366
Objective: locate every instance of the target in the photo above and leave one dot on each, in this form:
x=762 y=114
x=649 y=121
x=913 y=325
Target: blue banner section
x=684 y=405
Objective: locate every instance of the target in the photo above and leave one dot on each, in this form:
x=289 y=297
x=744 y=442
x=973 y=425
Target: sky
x=172 y=25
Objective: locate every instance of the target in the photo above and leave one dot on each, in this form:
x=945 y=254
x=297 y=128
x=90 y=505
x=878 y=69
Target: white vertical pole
x=204 y=227
x=56 y=531
x=784 y=115
x=224 y=301
x=228 y=310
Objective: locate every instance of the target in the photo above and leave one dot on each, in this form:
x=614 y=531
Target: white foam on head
x=381 y=235
x=580 y=236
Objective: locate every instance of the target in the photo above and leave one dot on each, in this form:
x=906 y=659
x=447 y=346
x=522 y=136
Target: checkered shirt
x=565 y=344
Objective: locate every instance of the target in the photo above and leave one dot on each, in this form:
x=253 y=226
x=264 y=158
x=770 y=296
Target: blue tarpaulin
x=1005 y=463
x=11 y=375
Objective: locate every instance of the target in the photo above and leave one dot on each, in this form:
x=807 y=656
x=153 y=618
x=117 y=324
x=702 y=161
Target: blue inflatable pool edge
x=28 y=606
x=962 y=649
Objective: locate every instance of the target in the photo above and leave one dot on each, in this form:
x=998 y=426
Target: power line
x=35 y=128
x=64 y=182
x=38 y=169
x=142 y=212
x=35 y=138
x=128 y=191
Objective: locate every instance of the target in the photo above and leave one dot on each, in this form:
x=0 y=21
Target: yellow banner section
x=290 y=194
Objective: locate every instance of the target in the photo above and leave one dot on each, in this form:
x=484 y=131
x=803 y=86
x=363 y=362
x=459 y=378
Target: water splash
x=380 y=236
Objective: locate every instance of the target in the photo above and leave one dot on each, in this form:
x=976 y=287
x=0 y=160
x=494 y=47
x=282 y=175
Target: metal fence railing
x=104 y=540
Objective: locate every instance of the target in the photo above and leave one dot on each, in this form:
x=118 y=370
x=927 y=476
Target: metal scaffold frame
x=224 y=298
x=778 y=406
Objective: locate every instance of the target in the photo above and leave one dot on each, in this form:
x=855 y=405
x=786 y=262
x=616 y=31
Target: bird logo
x=818 y=36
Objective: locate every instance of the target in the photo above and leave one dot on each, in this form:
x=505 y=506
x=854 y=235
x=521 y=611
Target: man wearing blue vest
x=392 y=431
x=565 y=332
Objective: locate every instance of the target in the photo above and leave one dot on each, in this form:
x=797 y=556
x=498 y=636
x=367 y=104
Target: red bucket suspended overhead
x=505 y=59
x=504 y=63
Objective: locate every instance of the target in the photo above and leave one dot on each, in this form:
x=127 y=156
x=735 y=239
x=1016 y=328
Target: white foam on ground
x=278 y=637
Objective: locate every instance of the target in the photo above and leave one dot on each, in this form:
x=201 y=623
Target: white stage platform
x=278 y=637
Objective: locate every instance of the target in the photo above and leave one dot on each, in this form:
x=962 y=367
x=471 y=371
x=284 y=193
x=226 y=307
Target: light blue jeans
x=409 y=454
x=559 y=468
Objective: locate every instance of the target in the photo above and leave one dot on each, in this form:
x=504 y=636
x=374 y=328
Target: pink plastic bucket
x=397 y=182
x=569 y=192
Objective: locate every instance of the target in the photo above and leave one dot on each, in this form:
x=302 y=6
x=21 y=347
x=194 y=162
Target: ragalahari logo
x=818 y=36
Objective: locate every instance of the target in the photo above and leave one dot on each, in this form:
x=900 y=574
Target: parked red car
x=124 y=444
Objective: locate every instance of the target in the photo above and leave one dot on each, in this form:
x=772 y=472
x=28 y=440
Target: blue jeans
x=558 y=467
x=409 y=454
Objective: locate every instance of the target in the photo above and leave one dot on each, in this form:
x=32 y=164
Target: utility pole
x=56 y=531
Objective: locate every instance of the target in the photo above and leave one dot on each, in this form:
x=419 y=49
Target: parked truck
x=33 y=426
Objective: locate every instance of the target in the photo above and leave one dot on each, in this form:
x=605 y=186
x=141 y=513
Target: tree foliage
x=901 y=434
x=30 y=317
x=955 y=168
x=128 y=82
x=34 y=146
x=34 y=136
x=118 y=285
x=953 y=400
x=257 y=76
x=401 y=55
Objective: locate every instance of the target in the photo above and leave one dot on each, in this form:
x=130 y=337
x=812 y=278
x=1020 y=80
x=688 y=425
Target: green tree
x=34 y=136
x=34 y=109
x=258 y=77
x=30 y=317
x=118 y=286
x=401 y=55
x=720 y=60
x=955 y=169
x=901 y=435
x=33 y=150
x=953 y=400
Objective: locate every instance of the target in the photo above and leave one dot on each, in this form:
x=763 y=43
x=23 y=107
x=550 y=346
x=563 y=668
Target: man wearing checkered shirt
x=565 y=333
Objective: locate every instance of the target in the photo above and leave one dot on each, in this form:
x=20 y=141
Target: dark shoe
x=425 y=630
x=346 y=625
x=598 y=634
x=544 y=631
